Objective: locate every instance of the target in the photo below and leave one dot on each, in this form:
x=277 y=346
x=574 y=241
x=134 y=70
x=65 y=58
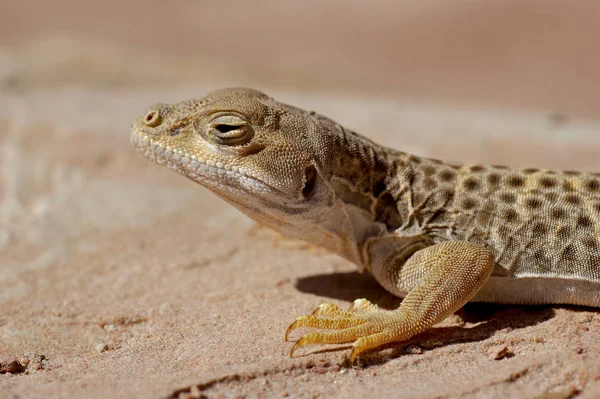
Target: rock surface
x=119 y=278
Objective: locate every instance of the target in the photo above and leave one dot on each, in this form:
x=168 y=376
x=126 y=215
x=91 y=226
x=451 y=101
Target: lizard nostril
x=152 y=118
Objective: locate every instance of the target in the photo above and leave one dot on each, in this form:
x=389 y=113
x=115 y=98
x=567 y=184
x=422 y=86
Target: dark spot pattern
x=533 y=203
x=568 y=186
x=552 y=197
x=558 y=213
x=447 y=175
x=541 y=260
x=468 y=203
x=471 y=184
x=573 y=199
x=415 y=160
x=564 y=232
x=515 y=181
x=548 y=182
x=428 y=170
x=493 y=179
x=429 y=184
x=447 y=195
x=569 y=253
x=594 y=261
x=511 y=216
x=486 y=215
x=508 y=198
x=592 y=185
x=584 y=221
x=530 y=171
x=535 y=220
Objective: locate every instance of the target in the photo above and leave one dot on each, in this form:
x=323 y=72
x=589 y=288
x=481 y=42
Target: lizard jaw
x=205 y=171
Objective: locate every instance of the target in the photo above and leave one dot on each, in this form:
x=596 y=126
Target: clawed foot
x=363 y=323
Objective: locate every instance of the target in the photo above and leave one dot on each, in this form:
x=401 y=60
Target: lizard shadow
x=482 y=320
x=348 y=287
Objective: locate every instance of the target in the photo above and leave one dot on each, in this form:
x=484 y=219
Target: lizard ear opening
x=310 y=179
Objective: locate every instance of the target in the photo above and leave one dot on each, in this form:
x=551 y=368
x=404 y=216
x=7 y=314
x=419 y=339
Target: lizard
x=437 y=234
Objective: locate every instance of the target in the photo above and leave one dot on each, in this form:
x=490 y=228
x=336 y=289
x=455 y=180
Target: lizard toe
x=364 y=324
x=373 y=332
x=326 y=322
x=363 y=305
x=328 y=309
x=372 y=341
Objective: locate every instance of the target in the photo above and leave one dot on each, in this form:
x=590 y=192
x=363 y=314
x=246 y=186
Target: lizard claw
x=324 y=322
x=363 y=323
x=318 y=318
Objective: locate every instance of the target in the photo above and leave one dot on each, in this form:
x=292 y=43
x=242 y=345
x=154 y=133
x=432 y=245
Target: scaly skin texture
x=437 y=234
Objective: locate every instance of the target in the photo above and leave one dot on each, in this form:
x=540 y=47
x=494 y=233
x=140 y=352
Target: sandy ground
x=119 y=278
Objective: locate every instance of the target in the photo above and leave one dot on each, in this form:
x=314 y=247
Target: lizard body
x=437 y=234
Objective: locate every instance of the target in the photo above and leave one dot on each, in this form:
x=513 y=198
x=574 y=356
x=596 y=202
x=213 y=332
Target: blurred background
x=531 y=54
x=123 y=278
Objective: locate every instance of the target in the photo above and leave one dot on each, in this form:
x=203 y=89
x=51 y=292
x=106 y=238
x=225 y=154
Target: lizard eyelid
x=226 y=128
x=230 y=130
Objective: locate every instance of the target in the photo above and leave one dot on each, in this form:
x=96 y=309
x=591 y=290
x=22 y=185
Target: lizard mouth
x=181 y=161
x=214 y=175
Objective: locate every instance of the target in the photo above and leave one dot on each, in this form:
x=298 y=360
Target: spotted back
x=536 y=221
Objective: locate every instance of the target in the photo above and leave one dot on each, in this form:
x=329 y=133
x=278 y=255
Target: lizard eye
x=152 y=118
x=230 y=130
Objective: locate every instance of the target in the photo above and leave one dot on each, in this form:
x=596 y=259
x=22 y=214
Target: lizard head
x=266 y=158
